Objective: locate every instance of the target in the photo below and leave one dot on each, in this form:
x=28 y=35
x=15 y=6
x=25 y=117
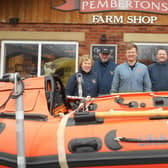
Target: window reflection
x=21 y=58
x=58 y=59
x=147 y=51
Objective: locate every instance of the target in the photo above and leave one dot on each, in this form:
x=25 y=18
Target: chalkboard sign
x=96 y=49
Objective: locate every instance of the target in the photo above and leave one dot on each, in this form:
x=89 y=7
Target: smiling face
x=86 y=65
x=161 y=56
x=131 y=54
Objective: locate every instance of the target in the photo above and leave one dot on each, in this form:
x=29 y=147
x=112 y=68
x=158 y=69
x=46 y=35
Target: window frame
x=39 y=43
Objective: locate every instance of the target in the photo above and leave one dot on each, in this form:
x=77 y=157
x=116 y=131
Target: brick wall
x=115 y=33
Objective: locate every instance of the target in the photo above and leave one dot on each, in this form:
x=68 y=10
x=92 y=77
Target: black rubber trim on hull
x=33 y=117
x=92 y=159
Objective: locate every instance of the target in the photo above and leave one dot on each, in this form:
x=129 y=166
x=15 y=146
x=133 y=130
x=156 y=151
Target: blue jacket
x=159 y=76
x=127 y=80
x=90 y=87
x=105 y=73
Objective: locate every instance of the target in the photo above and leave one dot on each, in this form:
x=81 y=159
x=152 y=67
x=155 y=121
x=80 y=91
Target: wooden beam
x=51 y=36
x=145 y=37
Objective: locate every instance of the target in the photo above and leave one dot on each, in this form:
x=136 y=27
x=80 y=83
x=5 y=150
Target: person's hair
x=85 y=58
x=161 y=49
x=129 y=46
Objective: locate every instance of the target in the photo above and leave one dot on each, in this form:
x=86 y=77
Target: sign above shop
x=153 y=6
x=121 y=19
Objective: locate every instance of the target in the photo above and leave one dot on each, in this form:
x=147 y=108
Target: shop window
x=147 y=51
x=58 y=59
x=21 y=58
x=39 y=58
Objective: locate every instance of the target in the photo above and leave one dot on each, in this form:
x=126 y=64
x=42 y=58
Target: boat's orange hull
x=89 y=143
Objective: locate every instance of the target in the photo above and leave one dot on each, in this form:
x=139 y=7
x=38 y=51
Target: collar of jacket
x=130 y=65
x=83 y=72
x=164 y=63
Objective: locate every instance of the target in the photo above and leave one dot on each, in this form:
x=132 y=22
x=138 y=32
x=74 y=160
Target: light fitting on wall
x=103 y=37
x=14 y=21
x=3 y=21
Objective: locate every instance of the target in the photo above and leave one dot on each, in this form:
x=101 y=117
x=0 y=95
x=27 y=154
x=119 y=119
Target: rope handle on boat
x=134 y=140
x=61 y=135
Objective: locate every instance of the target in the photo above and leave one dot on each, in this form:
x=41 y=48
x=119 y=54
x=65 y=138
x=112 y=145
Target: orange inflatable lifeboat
x=116 y=131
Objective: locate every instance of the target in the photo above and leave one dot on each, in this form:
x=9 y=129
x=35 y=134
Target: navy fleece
x=105 y=73
x=90 y=87
x=159 y=76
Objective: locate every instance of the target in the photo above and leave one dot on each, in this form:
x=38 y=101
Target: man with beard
x=131 y=76
x=104 y=68
x=159 y=71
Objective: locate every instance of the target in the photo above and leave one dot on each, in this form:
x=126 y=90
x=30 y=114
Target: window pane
x=147 y=51
x=21 y=58
x=59 y=59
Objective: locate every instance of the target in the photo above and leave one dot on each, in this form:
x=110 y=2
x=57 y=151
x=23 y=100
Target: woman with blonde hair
x=84 y=82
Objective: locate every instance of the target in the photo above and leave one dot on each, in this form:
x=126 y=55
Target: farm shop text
x=121 y=20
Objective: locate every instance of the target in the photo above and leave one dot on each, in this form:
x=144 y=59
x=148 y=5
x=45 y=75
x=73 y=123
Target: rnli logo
x=139 y=70
x=151 y=140
x=94 y=81
x=112 y=72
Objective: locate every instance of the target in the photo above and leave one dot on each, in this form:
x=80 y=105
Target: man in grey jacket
x=131 y=76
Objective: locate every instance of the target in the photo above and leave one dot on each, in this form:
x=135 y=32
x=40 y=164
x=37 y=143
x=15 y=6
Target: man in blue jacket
x=131 y=76
x=104 y=67
x=158 y=71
